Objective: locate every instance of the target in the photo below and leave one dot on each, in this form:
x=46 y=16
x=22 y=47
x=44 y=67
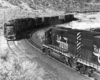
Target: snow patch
x=81 y=25
x=85 y=25
x=88 y=16
x=3 y=44
x=85 y=22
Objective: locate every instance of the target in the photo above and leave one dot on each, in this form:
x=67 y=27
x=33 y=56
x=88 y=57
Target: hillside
x=59 y=5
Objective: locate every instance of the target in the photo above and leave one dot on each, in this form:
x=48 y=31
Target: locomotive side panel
x=72 y=49
x=89 y=47
x=86 y=55
x=87 y=43
x=74 y=40
x=60 y=39
x=56 y=36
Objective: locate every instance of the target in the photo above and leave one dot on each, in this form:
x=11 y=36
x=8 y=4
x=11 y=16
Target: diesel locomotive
x=13 y=28
x=80 y=49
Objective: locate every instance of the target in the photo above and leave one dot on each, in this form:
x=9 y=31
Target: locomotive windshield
x=9 y=30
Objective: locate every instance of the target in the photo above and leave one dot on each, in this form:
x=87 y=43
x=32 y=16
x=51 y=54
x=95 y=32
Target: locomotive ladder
x=78 y=45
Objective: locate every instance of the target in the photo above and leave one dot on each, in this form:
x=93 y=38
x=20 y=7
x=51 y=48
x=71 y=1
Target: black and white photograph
x=49 y=39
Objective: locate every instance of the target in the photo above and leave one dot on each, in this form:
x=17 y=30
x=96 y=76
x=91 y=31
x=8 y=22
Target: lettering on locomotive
x=62 y=44
x=97 y=52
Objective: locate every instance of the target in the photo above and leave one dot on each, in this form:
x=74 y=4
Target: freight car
x=80 y=49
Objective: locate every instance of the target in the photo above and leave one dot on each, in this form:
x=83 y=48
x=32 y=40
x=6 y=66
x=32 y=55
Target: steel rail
x=10 y=47
x=18 y=47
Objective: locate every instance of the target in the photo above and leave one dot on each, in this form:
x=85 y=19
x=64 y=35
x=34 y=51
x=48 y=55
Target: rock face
x=65 y=5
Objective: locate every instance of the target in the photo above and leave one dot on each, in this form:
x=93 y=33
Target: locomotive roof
x=62 y=28
x=19 y=19
x=89 y=32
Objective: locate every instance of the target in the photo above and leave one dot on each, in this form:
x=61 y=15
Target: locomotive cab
x=48 y=37
x=9 y=32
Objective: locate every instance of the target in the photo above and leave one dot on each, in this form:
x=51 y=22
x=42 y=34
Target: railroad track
x=11 y=47
x=17 y=50
x=33 y=41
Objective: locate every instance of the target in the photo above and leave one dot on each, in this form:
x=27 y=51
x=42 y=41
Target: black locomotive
x=13 y=28
x=78 y=48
